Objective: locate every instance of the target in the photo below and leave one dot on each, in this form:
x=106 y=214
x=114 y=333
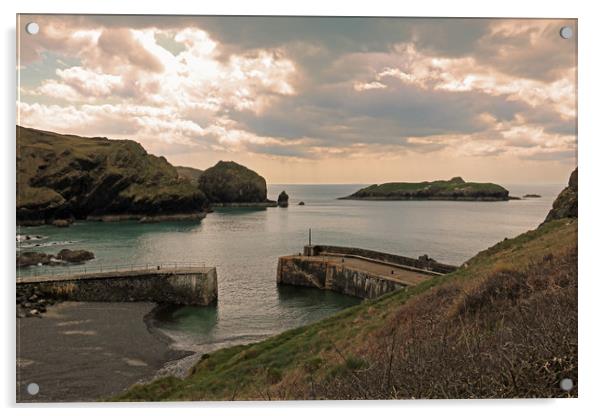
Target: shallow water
x=244 y=245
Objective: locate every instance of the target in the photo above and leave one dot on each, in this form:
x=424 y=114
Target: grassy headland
x=453 y=189
x=70 y=177
x=66 y=176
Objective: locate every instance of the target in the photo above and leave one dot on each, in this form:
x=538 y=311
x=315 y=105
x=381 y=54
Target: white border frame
x=590 y=168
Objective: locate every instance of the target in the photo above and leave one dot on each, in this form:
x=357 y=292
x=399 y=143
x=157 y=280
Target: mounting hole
x=32 y=28
x=33 y=389
x=566 y=384
x=566 y=32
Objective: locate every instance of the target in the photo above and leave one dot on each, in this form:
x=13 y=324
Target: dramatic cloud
x=319 y=90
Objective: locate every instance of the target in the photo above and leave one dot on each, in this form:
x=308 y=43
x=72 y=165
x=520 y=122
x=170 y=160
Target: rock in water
x=61 y=223
x=301 y=203
x=565 y=205
x=283 y=199
x=74 y=256
x=229 y=182
x=32 y=258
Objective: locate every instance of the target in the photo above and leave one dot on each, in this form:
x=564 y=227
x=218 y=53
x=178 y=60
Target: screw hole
x=33 y=389
x=32 y=28
x=566 y=384
x=566 y=32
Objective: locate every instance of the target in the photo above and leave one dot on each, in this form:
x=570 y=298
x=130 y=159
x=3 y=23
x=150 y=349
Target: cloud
x=306 y=88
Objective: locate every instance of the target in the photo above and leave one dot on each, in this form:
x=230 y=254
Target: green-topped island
x=455 y=189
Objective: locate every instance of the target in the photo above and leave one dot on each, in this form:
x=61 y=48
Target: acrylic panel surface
x=260 y=208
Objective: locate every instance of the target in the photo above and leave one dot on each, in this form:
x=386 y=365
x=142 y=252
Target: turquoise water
x=244 y=245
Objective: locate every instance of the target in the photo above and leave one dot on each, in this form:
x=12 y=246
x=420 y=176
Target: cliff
x=229 y=182
x=565 y=205
x=453 y=189
x=66 y=176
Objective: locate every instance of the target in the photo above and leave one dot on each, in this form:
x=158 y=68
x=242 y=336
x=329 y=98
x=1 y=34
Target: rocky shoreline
x=266 y=204
x=196 y=216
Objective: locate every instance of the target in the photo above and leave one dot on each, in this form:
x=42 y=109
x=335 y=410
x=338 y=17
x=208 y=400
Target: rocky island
x=455 y=189
x=71 y=177
x=234 y=185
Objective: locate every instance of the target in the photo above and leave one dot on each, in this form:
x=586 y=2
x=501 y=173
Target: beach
x=87 y=351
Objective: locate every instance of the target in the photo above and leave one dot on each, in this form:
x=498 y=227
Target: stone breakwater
x=189 y=286
x=356 y=272
x=423 y=262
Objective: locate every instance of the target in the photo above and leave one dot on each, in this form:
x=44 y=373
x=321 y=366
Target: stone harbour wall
x=189 y=287
x=313 y=272
x=420 y=263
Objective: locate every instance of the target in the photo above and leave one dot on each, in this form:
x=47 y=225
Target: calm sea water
x=244 y=245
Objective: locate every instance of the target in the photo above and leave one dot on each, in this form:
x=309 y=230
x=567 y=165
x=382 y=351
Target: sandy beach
x=88 y=351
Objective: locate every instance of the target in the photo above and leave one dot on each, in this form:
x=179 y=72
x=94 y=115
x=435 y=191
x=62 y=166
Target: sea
x=244 y=246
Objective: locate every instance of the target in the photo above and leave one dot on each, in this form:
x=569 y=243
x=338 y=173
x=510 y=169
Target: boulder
x=61 y=223
x=301 y=203
x=283 y=199
x=32 y=258
x=74 y=256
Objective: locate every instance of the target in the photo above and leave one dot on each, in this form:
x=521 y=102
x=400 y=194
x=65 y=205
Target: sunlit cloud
x=496 y=89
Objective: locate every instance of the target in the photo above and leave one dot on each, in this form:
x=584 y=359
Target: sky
x=313 y=99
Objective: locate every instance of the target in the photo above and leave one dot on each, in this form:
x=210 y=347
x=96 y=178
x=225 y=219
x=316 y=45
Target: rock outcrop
x=65 y=176
x=283 y=199
x=229 y=182
x=74 y=256
x=453 y=189
x=565 y=205
x=34 y=258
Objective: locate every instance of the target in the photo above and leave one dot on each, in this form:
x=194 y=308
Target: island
x=233 y=185
x=455 y=189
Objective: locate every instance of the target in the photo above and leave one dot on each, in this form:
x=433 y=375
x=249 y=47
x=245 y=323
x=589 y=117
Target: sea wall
x=423 y=262
x=183 y=287
x=313 y=272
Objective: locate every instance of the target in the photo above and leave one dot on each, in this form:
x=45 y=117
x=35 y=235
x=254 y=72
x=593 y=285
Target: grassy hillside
x=504 y=325
x=62 y=176
x=192 y=174
x=453 y=189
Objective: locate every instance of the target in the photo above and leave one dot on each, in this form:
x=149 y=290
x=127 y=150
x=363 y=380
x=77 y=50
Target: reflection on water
x=244 y=244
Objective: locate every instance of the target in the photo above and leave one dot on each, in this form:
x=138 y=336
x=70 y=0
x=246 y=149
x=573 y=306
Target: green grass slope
x=453 y=189
x=503 y=325
x=62 y=176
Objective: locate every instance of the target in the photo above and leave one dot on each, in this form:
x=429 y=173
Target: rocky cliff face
x=229 y=182
x=65 y=176
x=565 y=205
